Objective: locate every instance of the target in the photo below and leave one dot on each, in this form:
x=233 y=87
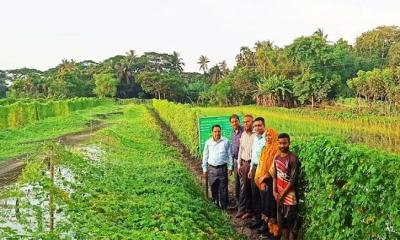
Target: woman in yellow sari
x=264 y=180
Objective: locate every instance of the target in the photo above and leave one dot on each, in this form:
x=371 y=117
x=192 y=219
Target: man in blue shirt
x=217 y=161
x=236 y=133
x=258 y=145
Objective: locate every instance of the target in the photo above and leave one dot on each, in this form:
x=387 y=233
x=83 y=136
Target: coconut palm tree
x=203 y=62
x=223 y=67
x=215 y=74
x=177 y=61
x=130 y=57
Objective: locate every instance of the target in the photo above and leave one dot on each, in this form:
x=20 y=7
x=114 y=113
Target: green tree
x=223 y=66
x=194 y=85
x=215 y=74
x=378 y=84
x=32 y=85
x=320 y=64
x=220 y=93
x=106 y=85
x=235 y=88
x=373 y=46
x=68 y=80
x=271 y=60
x=245 y=58
x=274 y=91
x=394 y=55
x=3 y=85
x=161 y=85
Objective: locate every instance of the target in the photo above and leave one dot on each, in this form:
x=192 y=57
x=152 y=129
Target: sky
x=39 y=34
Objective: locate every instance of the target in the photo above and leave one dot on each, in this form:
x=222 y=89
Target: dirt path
x=10 y=169
x=194 y=165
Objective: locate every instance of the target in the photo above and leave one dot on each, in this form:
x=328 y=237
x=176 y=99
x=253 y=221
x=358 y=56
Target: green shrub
x=350 y=192
x=182 y=120
x=3 y=117
x=15 y=115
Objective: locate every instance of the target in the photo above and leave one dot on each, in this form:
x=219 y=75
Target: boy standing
x=285 y=172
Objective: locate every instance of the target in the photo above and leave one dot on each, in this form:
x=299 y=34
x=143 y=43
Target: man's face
x=284 y=144
x=235 y=123
x=259 y=127
x=216 y=133
x=247 y=123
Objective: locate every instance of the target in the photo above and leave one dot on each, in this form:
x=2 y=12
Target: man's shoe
x=231 y=208
x=256 y=225
x=267 y=237
x=263 y=229
x=247 y=215
x=239 y=214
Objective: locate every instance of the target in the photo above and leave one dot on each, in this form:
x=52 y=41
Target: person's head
x=248 y=122
x=271 y=136
x=284 y=142
x=259 y=125
x=216 y=132
x=234 y=119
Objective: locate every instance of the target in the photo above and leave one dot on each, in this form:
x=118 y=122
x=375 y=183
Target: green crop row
x=182 y=118
x=374 y=133
x=19 y=114
x=349 y=192
x=136 y=189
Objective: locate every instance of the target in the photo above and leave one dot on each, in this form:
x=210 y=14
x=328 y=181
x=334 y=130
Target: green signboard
x=205 y=124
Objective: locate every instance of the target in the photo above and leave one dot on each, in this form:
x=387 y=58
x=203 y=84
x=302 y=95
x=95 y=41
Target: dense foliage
x=308 y=71
x=349 y=192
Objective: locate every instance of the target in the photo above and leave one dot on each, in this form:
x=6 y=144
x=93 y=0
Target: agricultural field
x=344 y=193
x=105 y=172
x=121 y=183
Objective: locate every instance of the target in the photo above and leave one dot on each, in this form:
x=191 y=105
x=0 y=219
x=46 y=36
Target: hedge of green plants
x=349 y=191
x=19 y=114
x=182 y=118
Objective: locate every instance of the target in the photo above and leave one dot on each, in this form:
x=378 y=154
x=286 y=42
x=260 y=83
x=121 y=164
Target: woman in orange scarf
x=264 y=180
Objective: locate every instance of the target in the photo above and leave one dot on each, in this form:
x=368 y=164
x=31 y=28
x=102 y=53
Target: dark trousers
x=255 y=197
x=237 y=182
x=245 y=189
x=218 y=181
x=268 y=203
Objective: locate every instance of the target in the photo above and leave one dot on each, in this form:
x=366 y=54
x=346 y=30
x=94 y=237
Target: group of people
x=266 y=175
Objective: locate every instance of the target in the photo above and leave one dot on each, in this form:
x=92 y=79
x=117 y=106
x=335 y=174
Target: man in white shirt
x=243 y=163
x=217 y=163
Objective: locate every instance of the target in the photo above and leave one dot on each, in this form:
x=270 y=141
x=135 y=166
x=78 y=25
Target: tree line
x=309 y=70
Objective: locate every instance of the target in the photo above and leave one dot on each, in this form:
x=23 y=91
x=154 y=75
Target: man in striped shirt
x=285 y=172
